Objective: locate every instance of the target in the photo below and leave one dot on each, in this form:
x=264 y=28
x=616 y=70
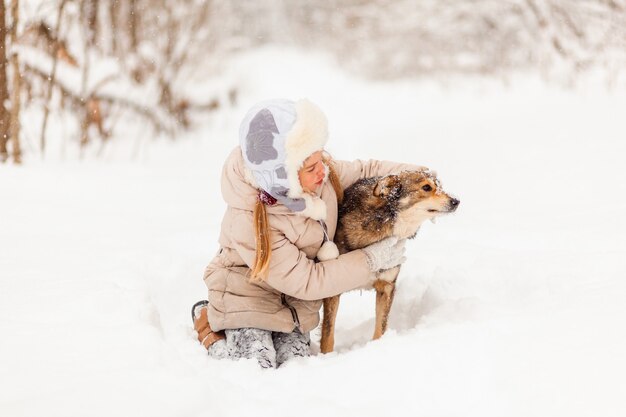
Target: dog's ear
x=388 y=187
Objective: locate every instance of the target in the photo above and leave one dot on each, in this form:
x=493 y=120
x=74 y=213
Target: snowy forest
x=117 y=117
x=96 y=63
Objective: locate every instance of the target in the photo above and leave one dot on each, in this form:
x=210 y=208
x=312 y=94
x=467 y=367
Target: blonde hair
x=333 y=177
x=262 y=232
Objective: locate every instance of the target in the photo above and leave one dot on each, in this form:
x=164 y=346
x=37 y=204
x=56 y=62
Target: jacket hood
x=238 y=192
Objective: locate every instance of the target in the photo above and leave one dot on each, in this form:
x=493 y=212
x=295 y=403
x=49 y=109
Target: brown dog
x=376 y=208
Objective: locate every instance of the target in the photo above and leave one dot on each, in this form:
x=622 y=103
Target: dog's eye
x=427 y=188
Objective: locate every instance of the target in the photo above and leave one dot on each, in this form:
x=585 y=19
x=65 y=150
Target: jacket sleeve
x=350 y=172
x=292 y=273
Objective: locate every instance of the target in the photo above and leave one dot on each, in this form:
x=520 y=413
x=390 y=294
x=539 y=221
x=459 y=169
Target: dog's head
x=417 y=196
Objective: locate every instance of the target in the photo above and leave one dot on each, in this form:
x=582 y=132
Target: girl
x=276 y=260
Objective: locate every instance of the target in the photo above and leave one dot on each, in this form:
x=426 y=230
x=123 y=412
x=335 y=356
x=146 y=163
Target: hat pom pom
x=328 y=251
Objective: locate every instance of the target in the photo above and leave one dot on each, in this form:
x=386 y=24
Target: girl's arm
x=292 y=273
x=351 y=171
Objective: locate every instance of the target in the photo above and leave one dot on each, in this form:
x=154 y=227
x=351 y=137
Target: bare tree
x=16 y=87
x=55 y=61
x=133 y=28
x=113 y=16
x=91 y=13
x=4 y=92
x=385 y=38
x=178 y=36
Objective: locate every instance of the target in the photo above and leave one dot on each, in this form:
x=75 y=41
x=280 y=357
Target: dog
x=373 y=209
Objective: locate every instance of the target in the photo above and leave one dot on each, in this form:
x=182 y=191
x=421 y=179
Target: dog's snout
x=454 y=203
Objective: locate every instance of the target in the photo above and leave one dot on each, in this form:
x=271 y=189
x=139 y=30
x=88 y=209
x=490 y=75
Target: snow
x=511 y=306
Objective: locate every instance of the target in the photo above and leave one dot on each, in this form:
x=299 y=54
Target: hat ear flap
x=388 y=187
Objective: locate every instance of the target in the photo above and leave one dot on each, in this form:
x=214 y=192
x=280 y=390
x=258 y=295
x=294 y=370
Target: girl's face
x=312 y=173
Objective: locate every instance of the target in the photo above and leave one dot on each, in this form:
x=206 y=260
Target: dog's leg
x=331 y=305
x=385 y=290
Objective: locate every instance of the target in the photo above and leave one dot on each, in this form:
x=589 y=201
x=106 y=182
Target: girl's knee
x=250 y=343
x=291 y=345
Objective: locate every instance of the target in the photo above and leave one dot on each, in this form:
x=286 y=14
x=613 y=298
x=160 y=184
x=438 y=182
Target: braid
x=263 y=247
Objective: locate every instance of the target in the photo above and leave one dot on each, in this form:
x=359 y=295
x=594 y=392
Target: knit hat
x=276 y=137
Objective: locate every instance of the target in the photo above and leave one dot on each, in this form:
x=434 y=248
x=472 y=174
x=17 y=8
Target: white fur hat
x=276 y=137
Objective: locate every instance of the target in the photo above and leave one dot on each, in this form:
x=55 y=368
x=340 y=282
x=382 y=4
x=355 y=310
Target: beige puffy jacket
x=292 y=294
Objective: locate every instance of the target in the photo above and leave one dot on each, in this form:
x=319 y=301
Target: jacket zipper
x=294 y=313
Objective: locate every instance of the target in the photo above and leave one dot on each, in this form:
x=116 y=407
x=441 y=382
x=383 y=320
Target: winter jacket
x=292 y=294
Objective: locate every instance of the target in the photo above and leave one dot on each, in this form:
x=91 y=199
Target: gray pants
x=270 y=349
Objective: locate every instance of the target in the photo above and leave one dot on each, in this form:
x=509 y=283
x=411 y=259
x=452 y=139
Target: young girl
x=276 y=260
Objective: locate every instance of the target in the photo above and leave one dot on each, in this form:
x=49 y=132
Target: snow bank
x=512 y=306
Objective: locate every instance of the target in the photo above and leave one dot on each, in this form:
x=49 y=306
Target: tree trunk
x=132 y=25
x=4 y=92
x=17 y=87
x=55 y=60
x=113 y=21
x=92 y=20
x=84 y=135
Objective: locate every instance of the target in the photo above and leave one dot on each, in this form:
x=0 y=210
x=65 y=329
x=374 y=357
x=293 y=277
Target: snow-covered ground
x=513 y=306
